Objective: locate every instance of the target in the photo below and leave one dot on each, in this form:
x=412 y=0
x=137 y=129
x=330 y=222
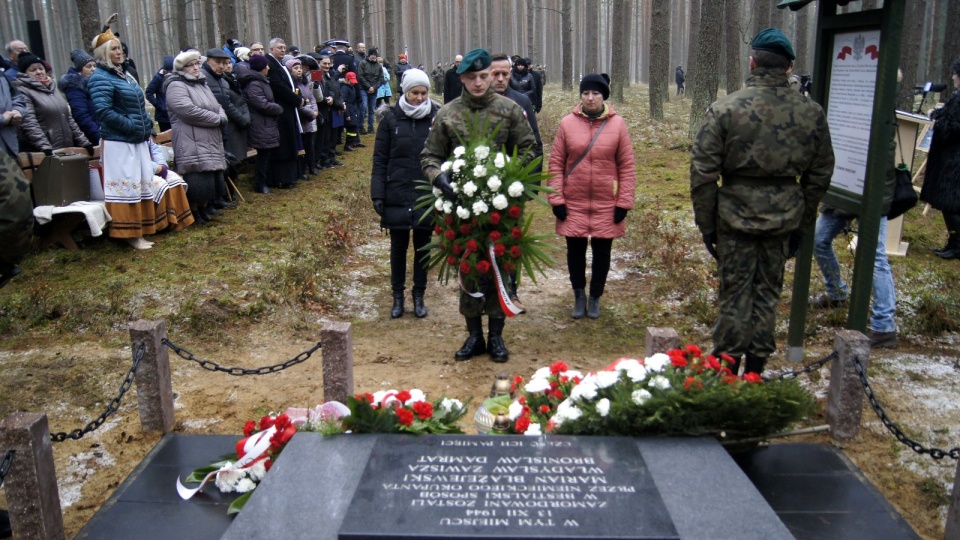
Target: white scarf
x=415 y=112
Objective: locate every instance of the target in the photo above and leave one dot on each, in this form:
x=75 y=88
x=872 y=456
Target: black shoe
x=593 y=307
x=579 y=303
x=348 y=149
x=212 y=211
x=826 y=302
x=8 y=273
x=286 y=186
x=474 y=344
x=200 y=217
x=883 y=340
x=339 y=153
x=359 y=145
x=336 y=163
x=495 y=345
x=362 y=131
x=397 y=310
x=419 y=309
x=262 y=189
x=220 y=204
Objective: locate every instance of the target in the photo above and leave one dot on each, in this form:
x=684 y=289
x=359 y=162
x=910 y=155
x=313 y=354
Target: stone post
x=154 y=387
x=845 y=395
x=952 y=530
x=661 y=340
x=31 y=483
x=337 y=339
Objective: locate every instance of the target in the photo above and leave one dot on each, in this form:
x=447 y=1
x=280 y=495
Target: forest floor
x=254 y=287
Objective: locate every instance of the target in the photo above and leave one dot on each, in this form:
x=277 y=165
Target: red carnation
x=448 y=219
x=451 y=260
x=544 y=409
x=713 y=363
x=678 y=361
x=694 y=350
x=483 y=267
x=457 y=249
x=557 y=368
x=405 y=416
x=249 y=428
x=464 y=267
x=423 y=409
x=509 y=267
x=554 y=385
x=403 y=396
x=518 y=379
x=471 y=245
x=514 y=212
x=752 y=377
x=494 y=236
x=522 y=424
x=499 y=250
x=558 y=393
x=692 y=382
x=438 y=230
x=282 y=422
x=450 y=234
x=727 y=378
x=516 y=252
x=266 y=423
x=267 y=463
x=727 y=358
x=516 y=233
x=465 y=229
x=522 y=399
x=494 y=218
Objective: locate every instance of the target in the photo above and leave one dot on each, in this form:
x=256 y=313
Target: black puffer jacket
x=396 y=167
x=941 y=183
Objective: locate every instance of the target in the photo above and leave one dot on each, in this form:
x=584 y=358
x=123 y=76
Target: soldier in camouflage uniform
x=452 y=123
x=771 y=147
x=16 y=208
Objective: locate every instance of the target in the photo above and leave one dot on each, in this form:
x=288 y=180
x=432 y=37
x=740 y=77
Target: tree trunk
x=909 y=55
x=533 y=17
x=951 y=45
x=337 y=17
x=90 y=23
x=566 y=45
x=209 y=24
x=356 y=23
x=389 y=49
x=802 y=44
x=659 y=56
x=591 y=32
x=777 y=17
x=691 y=67
x=620 y=59
x=180 y=28
x=227 y=20
x=708 y=54
x=761 y=15
x=734 y=60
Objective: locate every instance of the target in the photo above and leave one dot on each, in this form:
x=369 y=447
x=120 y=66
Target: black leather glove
x=619 y=214
x=442 y=182
x=560 y=211
x=378 y=206
x=89 y=149
x=796 y=238
x=48 y=152
x=710 y=240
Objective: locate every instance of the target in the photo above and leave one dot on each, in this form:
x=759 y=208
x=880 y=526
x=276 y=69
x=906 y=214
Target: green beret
x=475 y=60
x=773 y=40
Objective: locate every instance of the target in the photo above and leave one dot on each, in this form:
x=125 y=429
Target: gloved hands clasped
x=442 y=182
x=710 y=241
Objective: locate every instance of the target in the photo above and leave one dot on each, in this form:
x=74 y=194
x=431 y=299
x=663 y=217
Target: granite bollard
x=845 y=395
x=661 y=340
x=31 y=483
x=337 y=339
x=154 y=386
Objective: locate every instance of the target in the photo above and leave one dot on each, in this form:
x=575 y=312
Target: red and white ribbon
x=256 y=446
x=509 y=308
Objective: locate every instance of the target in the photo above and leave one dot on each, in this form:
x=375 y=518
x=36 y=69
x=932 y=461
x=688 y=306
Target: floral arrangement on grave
x=390 y=411
x=682 y=392
x=485 y=231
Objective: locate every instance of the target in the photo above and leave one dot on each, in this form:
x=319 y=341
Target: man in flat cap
x=771 y=147
x=478 y=103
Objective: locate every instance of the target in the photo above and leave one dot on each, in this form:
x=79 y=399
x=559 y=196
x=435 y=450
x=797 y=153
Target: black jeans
x=399 y=241
x=577 y=263
x=310 y=158
x=262 y=164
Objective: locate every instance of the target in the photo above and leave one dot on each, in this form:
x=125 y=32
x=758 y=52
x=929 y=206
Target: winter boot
x=397 y=311
x=952 y=249
x=497 y=349
x=474 y=344
x=593 y=307
x=419 y=309
x=754 y=364
x=579 y=303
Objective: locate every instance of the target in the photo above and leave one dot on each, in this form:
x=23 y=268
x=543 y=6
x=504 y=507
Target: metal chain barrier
x=935 y=453
x=113 y=407
x=810 y=368
x=238 y=371
x=5 y=465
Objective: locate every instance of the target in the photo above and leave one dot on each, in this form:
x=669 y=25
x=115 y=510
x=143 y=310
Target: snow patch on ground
x=81 y=466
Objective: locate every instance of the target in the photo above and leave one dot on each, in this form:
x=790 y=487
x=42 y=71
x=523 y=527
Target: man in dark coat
x=283 y=162
x=16 y=208
x=680 y=80
x=157 y=97
x=370 y=77
x=332 y=102
x=452 y=87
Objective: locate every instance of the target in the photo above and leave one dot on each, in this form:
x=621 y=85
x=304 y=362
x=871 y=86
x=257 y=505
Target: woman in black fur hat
x=941 y=183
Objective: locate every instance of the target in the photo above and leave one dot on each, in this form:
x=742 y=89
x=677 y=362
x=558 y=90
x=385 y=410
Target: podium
x=913 y=135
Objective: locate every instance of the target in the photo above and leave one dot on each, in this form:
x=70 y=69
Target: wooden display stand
x=912 y=132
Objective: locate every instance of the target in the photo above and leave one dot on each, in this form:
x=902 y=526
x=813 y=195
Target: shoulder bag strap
x=587 y=151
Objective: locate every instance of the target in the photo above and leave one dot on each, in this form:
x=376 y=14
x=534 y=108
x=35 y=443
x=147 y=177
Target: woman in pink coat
x=592 y=172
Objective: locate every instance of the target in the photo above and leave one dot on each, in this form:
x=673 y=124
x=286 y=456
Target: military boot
x=474 y=344
x=397 y=311
x=579 y=303
x=497 y=349
x=755 y=364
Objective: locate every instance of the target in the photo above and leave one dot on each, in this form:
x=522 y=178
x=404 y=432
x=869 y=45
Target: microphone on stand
x=925 y=89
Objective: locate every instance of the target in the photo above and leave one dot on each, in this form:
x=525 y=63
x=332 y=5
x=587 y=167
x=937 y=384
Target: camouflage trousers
x=488 y=304
x=16 y=211
x=751 y=279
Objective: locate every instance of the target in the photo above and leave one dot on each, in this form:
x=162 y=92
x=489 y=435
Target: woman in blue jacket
x=73 y=84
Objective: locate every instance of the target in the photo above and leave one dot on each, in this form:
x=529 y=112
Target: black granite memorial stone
x=506 y=487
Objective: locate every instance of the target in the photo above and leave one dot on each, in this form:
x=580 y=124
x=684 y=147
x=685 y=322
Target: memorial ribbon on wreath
x=254 y=448
x=509 y=308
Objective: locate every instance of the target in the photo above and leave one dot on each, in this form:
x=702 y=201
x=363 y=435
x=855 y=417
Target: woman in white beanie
x=401 y=135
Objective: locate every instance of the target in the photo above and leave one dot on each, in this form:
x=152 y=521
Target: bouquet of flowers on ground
x=682 y=392
x=485 y=230
x=547 y=389
x=390 y=411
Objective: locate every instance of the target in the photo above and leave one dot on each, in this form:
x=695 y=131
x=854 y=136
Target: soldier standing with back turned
x=771 y=146
x=451 y=124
